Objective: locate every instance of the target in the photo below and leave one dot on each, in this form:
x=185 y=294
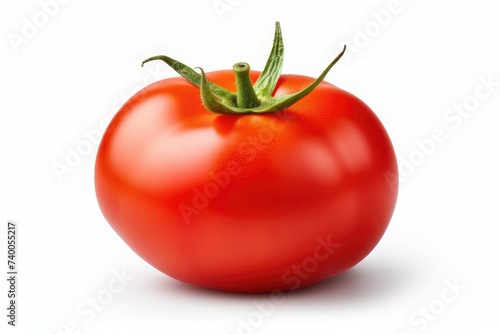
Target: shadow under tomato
x=358 y=285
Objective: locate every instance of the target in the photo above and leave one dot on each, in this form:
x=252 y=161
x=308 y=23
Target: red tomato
x=248 y=203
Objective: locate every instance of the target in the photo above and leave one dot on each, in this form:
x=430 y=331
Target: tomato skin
x=247 y=203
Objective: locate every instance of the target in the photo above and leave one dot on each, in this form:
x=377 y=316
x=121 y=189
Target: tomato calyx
x=248 y=99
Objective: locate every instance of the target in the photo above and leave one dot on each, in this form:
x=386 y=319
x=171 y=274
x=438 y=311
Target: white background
x=73 y=72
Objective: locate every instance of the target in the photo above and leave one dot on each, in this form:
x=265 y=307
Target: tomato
x=250 y=202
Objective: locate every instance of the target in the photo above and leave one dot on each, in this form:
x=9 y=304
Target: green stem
x=245 y=95
x=248 y=99
x=265 y=84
